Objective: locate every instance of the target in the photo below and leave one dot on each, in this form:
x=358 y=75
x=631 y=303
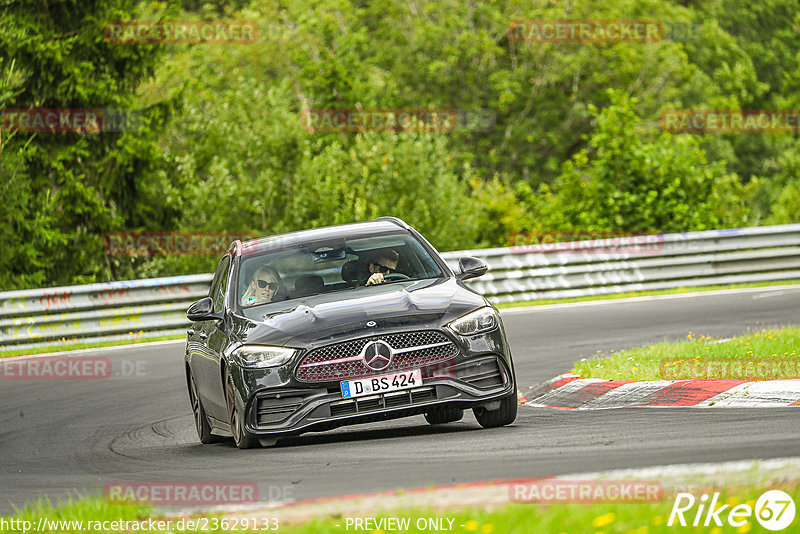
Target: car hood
x=327 y=317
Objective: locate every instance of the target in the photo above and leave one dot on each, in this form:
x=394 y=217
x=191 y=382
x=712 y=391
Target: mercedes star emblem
x=377 y=355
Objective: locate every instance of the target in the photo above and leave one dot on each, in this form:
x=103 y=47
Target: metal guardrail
x=603 y=266
x=110 y=311
x=156 y=307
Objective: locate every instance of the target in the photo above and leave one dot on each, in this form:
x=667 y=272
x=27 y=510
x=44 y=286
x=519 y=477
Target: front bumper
x=279 y=404
x=291 y=412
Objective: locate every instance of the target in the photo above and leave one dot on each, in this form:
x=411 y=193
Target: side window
x=221 y=283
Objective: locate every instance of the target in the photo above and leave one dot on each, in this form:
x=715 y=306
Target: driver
x=382 y=262
x=262 y=287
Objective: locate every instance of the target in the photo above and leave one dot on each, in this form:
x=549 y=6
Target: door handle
x=203 y=335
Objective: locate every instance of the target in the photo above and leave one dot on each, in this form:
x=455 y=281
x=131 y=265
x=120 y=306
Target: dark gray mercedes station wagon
x=312 y=330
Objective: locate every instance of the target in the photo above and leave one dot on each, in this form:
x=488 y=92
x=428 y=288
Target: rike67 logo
x=774 y=510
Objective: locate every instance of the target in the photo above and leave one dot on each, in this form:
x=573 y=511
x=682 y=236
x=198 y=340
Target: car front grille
x=395 y=399
x=342 y=361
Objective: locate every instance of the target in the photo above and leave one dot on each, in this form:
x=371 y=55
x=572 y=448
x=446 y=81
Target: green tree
x=65 y=190
x=629 y=181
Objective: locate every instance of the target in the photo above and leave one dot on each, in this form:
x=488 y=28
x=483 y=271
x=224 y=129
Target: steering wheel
x=393 y=277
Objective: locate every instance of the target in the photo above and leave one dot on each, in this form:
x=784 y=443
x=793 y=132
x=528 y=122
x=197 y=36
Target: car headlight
x=481 y=320
x=263 y=356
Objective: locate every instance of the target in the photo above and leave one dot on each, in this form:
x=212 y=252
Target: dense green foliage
x=63 y=191
x=573 y=143
x=636 y=182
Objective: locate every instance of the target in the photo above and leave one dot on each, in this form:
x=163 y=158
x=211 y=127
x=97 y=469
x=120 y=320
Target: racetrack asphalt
x=71 y=437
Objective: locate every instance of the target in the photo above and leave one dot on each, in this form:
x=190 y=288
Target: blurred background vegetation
x=574 y=144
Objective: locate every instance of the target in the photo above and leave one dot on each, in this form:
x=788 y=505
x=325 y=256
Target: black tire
x=242 y=438
x=200 y=419
x=442 y=415
x=505 y=415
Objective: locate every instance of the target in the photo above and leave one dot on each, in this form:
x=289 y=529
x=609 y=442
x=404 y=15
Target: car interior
x=334 y=265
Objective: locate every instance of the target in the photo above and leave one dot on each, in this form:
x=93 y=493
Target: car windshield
x=325 y=266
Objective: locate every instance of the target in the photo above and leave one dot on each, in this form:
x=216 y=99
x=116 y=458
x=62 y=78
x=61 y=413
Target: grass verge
x=768 y=355
x=630 y=294
x=80 y=346
x=96 y=515
x=555 y=518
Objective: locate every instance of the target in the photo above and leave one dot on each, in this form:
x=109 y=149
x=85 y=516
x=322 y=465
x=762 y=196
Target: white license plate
x=381 y=384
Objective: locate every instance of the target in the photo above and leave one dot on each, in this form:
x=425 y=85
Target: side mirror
x=471 y=268
x=201 y=310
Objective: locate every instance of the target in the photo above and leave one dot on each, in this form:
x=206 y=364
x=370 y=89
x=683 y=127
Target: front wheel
x=242 y=438
x=200 y=419
x=502 y=416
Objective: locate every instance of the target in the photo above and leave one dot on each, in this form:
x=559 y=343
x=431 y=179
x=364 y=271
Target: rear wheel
x=200 y=419
x=502 y=416
x=242 y=438
x=442 y=415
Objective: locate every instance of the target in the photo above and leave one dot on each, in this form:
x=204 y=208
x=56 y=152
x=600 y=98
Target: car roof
x=382 y=225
